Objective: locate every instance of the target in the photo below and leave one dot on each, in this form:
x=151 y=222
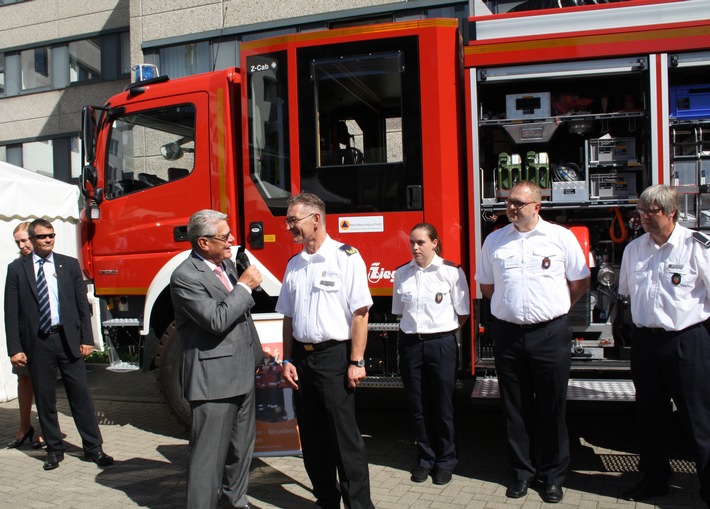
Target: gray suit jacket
x=221 y=346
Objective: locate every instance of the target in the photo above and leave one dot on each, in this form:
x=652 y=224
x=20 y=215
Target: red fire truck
x=394 y=124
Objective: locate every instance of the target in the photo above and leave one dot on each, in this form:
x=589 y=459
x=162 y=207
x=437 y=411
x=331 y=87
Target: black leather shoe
x=248 y=506
x=553 y=493
x=646 y=489
x=420 y=474
x=100 y=458
x=53 y=459
x=518 y=489
x=442 y=476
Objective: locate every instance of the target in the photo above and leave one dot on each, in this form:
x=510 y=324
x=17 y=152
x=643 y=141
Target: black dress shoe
x=53 y=459
x=647 y=488
x=518 y=489
x=420 y=474
x=19 y=441
x=553 y=493
x=100 y=458
x=442 y=476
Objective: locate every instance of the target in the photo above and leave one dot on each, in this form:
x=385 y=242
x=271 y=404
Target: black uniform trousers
x=330 y=438
x=533 y=365
x=675 y=365
x=428 y=367
x=50 y=354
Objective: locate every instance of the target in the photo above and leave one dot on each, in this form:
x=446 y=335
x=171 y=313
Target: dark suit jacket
x=22 y=305
x=221 y=346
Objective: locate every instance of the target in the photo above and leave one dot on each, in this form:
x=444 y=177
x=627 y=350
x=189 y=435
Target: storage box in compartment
x=612 y=186
x=570 y=192
x=611 y=150
x=690 y=102
x=704 y=217
x=532 y=105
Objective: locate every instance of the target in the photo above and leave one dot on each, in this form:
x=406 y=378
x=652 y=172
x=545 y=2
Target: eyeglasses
x=517 y=204
x=42 y=236
x=221 y=238
x=649 y=212
x=291 y=221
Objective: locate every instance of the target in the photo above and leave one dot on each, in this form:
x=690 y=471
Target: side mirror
x=171 y=151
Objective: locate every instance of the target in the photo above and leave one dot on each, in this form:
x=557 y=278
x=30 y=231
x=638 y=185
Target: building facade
x=58 y=55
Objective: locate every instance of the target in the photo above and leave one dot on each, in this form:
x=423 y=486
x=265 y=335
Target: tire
x=168 y=361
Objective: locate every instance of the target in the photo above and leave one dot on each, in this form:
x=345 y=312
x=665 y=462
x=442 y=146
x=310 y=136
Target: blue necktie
x=45 y=312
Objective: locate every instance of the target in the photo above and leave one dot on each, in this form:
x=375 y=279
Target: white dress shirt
x=321 y=291
x=530 y=270
x=50 y=275
x=430 y=299
x=668 y=285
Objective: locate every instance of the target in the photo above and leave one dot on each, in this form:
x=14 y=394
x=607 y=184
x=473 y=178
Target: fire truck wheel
x=168 y=360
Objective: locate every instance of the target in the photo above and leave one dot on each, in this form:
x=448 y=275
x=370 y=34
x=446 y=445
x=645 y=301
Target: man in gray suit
x=221 y=354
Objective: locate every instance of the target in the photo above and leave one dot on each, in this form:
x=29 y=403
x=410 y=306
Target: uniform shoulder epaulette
x=702 y=238
x=403 y=265
x=451 y=264
x=349 y=250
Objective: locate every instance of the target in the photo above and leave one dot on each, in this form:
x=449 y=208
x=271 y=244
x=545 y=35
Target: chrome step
x=577 y=390
x=122 y=322
x=383 y=327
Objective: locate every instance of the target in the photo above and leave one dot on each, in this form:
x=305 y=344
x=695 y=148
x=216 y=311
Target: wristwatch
x=359 y=364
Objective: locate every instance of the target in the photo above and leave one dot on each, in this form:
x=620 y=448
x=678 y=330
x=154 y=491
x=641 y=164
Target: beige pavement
x=150 y=449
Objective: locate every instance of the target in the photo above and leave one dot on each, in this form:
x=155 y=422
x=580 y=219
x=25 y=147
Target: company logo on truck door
x=377 y=274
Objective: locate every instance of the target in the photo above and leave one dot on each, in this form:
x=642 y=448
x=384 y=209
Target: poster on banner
x=276 y=426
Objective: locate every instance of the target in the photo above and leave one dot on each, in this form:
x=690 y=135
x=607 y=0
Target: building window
x=36 y=67
x=85 y=60
x=59 y=157
x=186 y=59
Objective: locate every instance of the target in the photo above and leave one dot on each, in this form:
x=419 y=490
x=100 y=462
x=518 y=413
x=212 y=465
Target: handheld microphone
x=243 y=260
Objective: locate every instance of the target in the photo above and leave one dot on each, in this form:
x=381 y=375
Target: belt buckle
x=308 y=347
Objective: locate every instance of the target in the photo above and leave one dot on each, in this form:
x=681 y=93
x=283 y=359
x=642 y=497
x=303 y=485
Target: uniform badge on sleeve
x=546 y=263
x=675 y=278
x=439 y=297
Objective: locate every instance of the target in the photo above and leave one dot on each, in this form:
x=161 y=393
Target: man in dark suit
x=221 y=354
x=48 y=327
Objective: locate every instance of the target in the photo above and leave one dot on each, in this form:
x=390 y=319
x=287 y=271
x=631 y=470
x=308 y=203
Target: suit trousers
x=665 y=366
x=50 y=354
x=533 y=366
x=330 y=438
x=220 y=451
x=428 y=369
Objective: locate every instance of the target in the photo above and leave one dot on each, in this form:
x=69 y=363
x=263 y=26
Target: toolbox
x=532 y=105
x=690 y=102
x=612 y=186
x=611 y=151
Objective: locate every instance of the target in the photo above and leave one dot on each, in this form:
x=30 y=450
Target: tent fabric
x=25 y=196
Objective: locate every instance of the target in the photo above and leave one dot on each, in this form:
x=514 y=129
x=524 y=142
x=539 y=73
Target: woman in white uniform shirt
x=431 y=296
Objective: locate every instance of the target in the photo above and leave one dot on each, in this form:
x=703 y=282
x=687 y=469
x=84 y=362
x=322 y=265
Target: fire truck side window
x=360 y=124
x=149 y=149
x=268 y=129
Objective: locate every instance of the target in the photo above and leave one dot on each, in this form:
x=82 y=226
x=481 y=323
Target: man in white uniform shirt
x=666 y=273
x=533 y=272
x=325 y=301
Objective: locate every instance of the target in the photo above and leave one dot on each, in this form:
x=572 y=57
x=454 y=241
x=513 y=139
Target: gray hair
x=203 y=224
x=663 y=196
x=309 y=200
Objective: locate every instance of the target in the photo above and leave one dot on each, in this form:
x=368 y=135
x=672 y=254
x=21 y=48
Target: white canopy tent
x=25 y=196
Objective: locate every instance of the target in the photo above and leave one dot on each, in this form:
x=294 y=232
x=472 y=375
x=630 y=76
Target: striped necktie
x=45 y=312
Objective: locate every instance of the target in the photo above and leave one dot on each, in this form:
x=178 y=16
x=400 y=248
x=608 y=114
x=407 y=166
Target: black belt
x=657 y=330
x=317 y=347
x=530 y=326
x=54 y=329
x=424 y=336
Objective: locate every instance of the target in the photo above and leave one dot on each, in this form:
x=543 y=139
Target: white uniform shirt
x=430 y=299
x=321 y=292
x=530 y=271
x=668 y=284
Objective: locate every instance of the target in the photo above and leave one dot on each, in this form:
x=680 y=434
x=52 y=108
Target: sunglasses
x=42 y=236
